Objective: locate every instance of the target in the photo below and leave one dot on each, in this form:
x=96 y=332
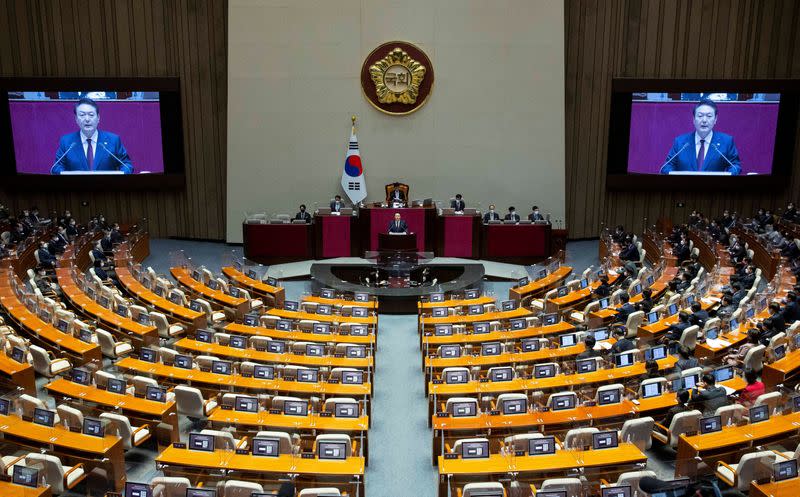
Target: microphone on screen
x=716 y=147
x=673 y=156
x=62 y=156
x=103 y=144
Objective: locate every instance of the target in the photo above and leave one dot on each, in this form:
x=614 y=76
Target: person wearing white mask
x=536 y=215
x=491 y=215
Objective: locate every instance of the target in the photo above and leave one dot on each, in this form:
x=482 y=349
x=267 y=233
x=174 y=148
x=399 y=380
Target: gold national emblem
x=397 y=78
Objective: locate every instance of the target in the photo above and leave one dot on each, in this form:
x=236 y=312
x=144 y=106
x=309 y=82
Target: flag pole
x=353 y=129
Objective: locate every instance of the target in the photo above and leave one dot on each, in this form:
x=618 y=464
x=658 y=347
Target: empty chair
x=45 y=363
x=60 y=478
x=167 y=355
x=752 y=466
x=633 y=322
x=688 y=338
x=732 y=414
x=754 y=359
x=457 y=445
x=214 y=317
x=285 y=443
x=452 y=401
x=771 y=399
x=140 y=384
x=110 y=347
x=72 y=418
x=506 y=397
x=269 y=321
x=317 y=492
x=205 y=361
x=605 y=389
x=255 y=304
x=191 y=403
x=638 y=431
x=334 y=437
x=559 y=395
x=447 y=371
x=28 y=403
x=482 y=488
x=257 y=342
x=224 y=440
x=169 y=486
x=579 y=437
x=121 y=426
x=101 y=378
x=238 y=488
x=632 y=478
x=166 y=330
x=682 y=422
x=582 y=317
x=573 y=486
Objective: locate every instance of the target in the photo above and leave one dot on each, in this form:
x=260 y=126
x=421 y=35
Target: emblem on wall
x=397 y=78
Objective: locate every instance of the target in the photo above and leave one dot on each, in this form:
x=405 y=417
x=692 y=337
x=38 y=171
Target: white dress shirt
x=697 y=143
x=86 y=146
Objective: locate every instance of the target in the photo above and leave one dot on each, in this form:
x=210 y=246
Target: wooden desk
x=142 y=335
x=537 y=288
x=218 y=350
x=778 y=371
x=650 y=332
x=335 y=236
x=482 y=300
x=431 y=322
x=277 y=243
x=786 y=488
x=237 y=383
x=433 y=364
x=731 y=438
x=219 y=298
x=185 y=315
x=576 y=298
x=458 y=235
x=520 y=243
x=8 y=489
x=322 y=318
x=255 y=421
x=95 y=452
x=133 y=407
x=430 y=340
x=273 y=295
x=297 y=335
x=370 y=304
x=18 y=374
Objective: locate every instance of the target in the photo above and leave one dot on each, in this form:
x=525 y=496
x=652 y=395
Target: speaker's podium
x=397 y=242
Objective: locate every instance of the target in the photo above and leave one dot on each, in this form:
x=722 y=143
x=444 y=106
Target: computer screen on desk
x=147 y=355
x=550 y=319
x=246 y=404
x=315 y=349
x=523 y=281
x=269 y=447
x=26 y=476
x=530 y=344
x=361 y=297
x=115 y=385
x=501 y=374
x=759 y=414
x=291 y=305
x=452 y=377
x=616 y=491
x=183 y=361
x=474 y=309
x=44 y=417
x=551 y=493
x=464 y=409
x=604 y=440
x=307 y=375
x=544 y=370
x=785 y=470
x=600 y=334
x=509 y=305
x=322 y=328
x=199 y=441
x=137 y=490
x=332 y=450
x=201 y=492
x=5 y=405
x=263 y=372
x=238 y=342
x=81 y=376
x=724 y=373
x=93 y=427
x=443 y=330
x=250 y=320
x=436 y=297
x=450 y=351
x=156 y=394
x=567 y=340
x=607 y=397
x=710 y=424
x=518 y=324
x=490 y=348
x=327 y=293
x=541 y=446
x=295 y=408
x=624 y=359
x=514 y=406
x=355 y=351
x=346 y=410
x=475 y=449
x=586 y=365
x=651 y=390
x=655 y=353
x=360 y=312
x=562 y=402
x=471 y=293
x=352 y=377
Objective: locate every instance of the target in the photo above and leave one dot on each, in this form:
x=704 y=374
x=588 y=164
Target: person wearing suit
x=398 y=225
x=90 y=149
x=512 y=215
x=305 y=216
x=535 y=215
x=625 y=309
x=46 y=259
x=396 y=194
x=703 y=149
x=337 y=204
x=491 y=215
x=458 y=204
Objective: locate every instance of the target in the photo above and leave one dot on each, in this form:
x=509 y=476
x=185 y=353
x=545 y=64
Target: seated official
x=512 y=215
x=646 y=303
x=625 y=309
x=589 y=342
x=398 y=225
x=682 y=406
x=3 y=250
x=491 y=214
x=675 y=331
x=46 y=259
x=791 y=310
x=458 y=203
x=603 y=289
x=699 y=315
x=116 y=235
x=337 y=204
x=685 y=360
x=55 y=247
x=622 y=344
x=712 y=397
x=396 y=194
x=773 y=325
x=303 y=215
x=106 y=243
x=535 y=215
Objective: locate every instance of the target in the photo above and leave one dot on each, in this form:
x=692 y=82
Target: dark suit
x=491 y=216
x=536 y=217
x=683 y=156
x=46 y=258
x=398 y=226
x=397 y=195
x=458 y=205
x=630 y=254
x=106 y=244
x=623 y=345
x=675 y=331
x=336 y=206
x=305 y=216
x=116 y=237
x=624 y=311
x=699 y=318
x=75 y=159
x=711 y=399
x=791 y=312
x=512 y=217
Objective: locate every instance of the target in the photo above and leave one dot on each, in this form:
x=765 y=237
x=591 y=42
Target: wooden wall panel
x=135 y=38
x=663 y=39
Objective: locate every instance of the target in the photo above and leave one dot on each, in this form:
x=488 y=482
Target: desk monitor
x=501 y=374
x=690 y=300
x=156 y=394
x=361 y=297
x=690 y=381
x=137 y=490
x=518 y=324
x=603 y=303
x=550 y=319
x=291 y=305
x=464 y=409
x=263 y=372
x=327 y=293
x=196 y=275
x=159 y=290
x=213 y=284
x=544 y=370
x=103 y=301
x=183 y=361
x=45 y=316
x=85 y=335
x=360 y=312
x=93 y=427
x=454 y=377
x=195 y=306
x=650 y=280
x=733 y=324
x=251 y=273
x=509 y=305
x=436 y=297
x=450 y=351
x=5 y=406
x=600 y=334
x=353 y=378
x=81 y=376
x=439 y=312
x=541 y=446
x=322 y=328
x=475 y=309
x=785 y=470
x=490 y=348
x=759 y=413
x=637 y=289
x=62 y=325
x=567 y=340
x=779 y=352
x=710 y=424
x=332 y=450
x=724 y=373
x=514 y=406
x=617 y=491
x=26 y=476
x=530 y=344
x=607 y=397
x=221 y=367
x=315 y=349
x=562 y=402
x=295 y=408
x=201 y=492
x=478 y=449
x=796 y=403
x=443 y=330
x=624 y=359
x=586 y=365
x=562 y=291
x=584 y=283
x=672 y=309
x=652 y=317
x=346 y=410
x=712 y=333
x=148 y=355
x=250 y=320
x=655 y=353
x=272 y=281
x=276 y=346
x=489 y=492
x=115 y=385
x=355 y=351
x=307 y=375
x=266 y=447
x=44 y=417
x=325 y=309
x=523 y=281
x=797 y=341
x=199 y=441
x=651 y=390
x=750 y=312
x=175 y=298
x=541 y=274
x=122 y=310
x=605 y=440
x=471 y=293
x=143 y=319
x=238 y=342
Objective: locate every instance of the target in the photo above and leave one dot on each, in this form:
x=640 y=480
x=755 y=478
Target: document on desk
x=716 y=343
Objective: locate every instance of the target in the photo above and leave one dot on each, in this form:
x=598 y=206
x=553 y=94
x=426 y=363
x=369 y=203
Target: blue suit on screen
x=75 y=159
x=683 y=157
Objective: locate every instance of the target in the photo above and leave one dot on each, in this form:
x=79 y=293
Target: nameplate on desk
x=428 y=334
x=275 y=411
x=437 y=382
x=260 y=349
x=442 y=414
x=451 y=456
x=590 y=403
x=226 y=408
x=338 y=356
x=326 y=414
x=179 y=445
x=307 y=455
x=544 y=409
x=139 y=395
x=75 y=429
x=247 y=375
x=494 y=413
x=484 y=380
x=344 y=333
x=242 y=452
x=205 y=370
x=333 y=381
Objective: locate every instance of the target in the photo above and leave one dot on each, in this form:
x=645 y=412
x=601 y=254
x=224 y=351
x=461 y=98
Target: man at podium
x=398 y=226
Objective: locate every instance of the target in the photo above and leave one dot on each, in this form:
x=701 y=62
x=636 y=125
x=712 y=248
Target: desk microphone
x=675 y=155
x=62 y=156
x=716 y=147
x=103 y=144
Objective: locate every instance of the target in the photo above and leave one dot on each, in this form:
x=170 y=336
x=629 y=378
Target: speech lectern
x=397 y=243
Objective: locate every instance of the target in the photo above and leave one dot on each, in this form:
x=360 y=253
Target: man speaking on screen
x=703 y=150
x=90 y=149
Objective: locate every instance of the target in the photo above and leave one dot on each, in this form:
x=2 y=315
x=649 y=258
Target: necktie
x=89 y=154
x=397 y=224
x=701 y=155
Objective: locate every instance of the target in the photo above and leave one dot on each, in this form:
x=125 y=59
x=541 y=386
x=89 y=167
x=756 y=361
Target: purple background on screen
x=38 y=125
x=654 y=126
